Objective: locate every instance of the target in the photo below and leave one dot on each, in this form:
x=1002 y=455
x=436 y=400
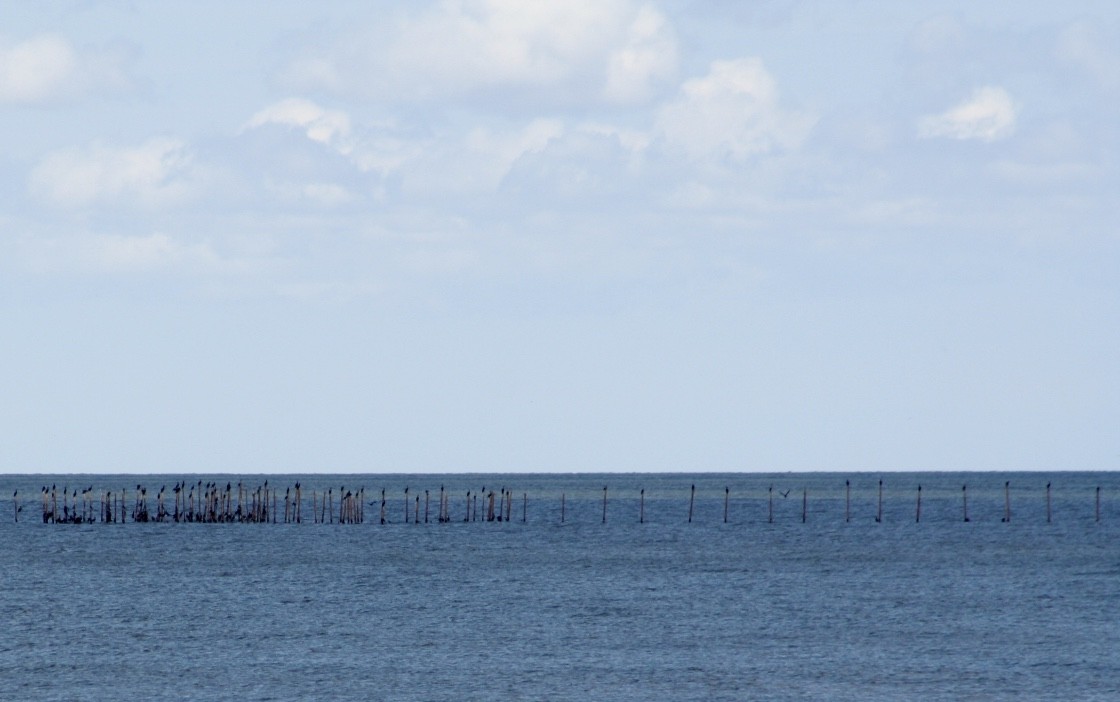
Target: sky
x=590 y=235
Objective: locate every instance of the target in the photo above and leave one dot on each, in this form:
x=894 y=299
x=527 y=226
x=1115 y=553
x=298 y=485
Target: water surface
x=538 y=609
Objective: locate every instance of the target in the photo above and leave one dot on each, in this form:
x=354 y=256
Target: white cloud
x=988 y=115
x=35 y=70
x=47 y=69
x=577 y=48
x=330 y=127
x=733 y=112
x=649 y=57
x=376 y=147
x=158 y=172
x=501 y=149
x=630 y=139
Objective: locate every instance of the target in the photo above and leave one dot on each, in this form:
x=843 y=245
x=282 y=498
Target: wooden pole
x=1047 y=503
x=847 y=500
x=804 y=504
x=1098 y=512
x=771 y=501
x=879 y=512
x=918 y=513
x=524 y=507
x=561 y=508
x=642 y=507
x=964 y=500
x=691 y=499
x=15 y=505
x=427 y=499
x=416 y=512
x=1007 y=501
x=604 y=504
x=406 y=504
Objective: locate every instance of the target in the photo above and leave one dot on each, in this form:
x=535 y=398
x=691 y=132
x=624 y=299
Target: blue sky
x=578 y=236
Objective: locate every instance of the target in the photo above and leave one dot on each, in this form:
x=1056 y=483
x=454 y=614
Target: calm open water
x=538 y=610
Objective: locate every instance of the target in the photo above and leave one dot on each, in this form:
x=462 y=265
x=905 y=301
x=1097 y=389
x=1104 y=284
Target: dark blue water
x=823 y=609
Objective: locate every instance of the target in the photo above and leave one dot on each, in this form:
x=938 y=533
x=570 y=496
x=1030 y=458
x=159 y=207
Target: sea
x=781 y=586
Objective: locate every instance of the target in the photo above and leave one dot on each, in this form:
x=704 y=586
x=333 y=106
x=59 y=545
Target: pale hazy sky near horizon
x=605 y=235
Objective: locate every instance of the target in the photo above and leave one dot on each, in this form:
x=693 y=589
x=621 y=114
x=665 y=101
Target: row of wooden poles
x=212 y=503
x=918 y=505
x=847 y=504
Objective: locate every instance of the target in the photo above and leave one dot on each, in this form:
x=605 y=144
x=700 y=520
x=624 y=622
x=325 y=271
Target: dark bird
x=784 y=494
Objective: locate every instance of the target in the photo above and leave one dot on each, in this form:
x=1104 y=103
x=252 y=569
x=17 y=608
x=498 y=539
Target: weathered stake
x=691 y=499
